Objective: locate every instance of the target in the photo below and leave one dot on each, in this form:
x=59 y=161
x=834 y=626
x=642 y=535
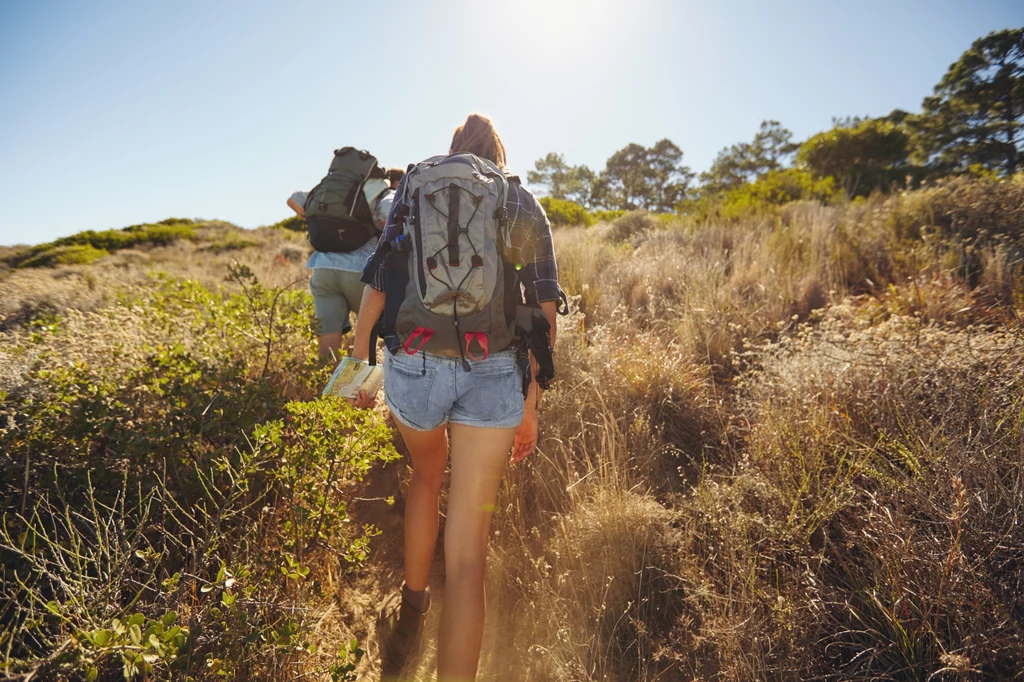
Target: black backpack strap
x=533 y=333
x=562 y=307
x=501 y=212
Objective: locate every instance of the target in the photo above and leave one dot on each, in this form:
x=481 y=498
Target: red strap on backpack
x=481 y=339
x=421 y=332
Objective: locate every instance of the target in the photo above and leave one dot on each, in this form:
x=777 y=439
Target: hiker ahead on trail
x=465 y=287
x=344 y=213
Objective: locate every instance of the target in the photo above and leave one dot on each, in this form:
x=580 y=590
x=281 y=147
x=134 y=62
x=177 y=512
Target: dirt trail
x=361 y=597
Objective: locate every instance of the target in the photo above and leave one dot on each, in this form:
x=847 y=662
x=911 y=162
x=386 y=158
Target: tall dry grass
x=782 y=448
x=785 y=449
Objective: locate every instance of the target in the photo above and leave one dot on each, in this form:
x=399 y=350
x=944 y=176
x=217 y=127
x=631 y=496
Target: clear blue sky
x=114 y=113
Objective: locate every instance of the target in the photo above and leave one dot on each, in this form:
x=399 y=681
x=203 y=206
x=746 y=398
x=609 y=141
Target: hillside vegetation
x=786 y=444
x=786 y=441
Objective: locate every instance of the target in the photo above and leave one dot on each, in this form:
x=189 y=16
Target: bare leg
x=429 y=452
x=329 y=345
x=478 y=458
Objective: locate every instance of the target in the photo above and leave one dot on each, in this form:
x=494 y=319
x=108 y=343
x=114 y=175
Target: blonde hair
x=478 y=136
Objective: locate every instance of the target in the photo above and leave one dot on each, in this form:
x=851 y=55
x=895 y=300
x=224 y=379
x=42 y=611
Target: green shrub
x=762 y=196
x=775 y=189
x=864 y=158
x=87 y=246
x=606 y=216
x=188 y=485
x=295 y=224
x=163 y=235
x=631 y=224
x=72 y=254
x=563 y=213
x=961 y=208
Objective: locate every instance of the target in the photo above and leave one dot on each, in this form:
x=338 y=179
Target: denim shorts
x=425 y=391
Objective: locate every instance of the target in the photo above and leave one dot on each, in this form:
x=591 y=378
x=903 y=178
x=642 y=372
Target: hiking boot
x=399 y=630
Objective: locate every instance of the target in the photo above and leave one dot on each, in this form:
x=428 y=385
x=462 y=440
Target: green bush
x=563 y=213
x=72 y=254
x=162 y=235
x=87 y=246
x=962 y=208
x=295 y=224
x=631 y=224
x=864 y=158
x=762 y=196
x=188 y=485
x=135 y=235
x=605 y=216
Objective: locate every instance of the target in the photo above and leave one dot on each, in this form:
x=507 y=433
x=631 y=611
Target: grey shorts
x=335 y=294
x=425 y=391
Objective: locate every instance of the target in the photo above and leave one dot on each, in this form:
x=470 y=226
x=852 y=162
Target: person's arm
x=532 y=402
x=370 y=310
x=525 y=440
x=550 y=310
x=299 y=210
x=540 y=278
x=526 y=435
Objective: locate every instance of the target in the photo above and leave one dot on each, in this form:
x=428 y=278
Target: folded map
x=353 y=375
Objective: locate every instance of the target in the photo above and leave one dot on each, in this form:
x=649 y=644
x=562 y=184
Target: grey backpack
x=462 y=292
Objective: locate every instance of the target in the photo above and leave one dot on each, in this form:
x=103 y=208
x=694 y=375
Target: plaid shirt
x=531 y=232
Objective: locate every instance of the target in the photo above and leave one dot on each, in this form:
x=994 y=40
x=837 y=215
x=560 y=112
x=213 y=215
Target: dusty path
x=362 y=596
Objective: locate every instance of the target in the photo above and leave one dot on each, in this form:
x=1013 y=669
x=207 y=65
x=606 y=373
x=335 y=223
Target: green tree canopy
x=653 y=178
x=862 y=154
x=976 y=114
x=770 y=150
x=561 y=181
x=550 y=173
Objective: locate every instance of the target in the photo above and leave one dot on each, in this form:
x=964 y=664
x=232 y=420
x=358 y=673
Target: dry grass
x=787 y=448
x=35 y=293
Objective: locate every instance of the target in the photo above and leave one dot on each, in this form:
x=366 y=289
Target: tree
x=770 y=150
x=773 y=147
x=550 y=172
x=976 y=114
x=572 y=183
x=579 y=186
x=626 y=178
x=640 y=177
x=671 y=179
x=862 y=154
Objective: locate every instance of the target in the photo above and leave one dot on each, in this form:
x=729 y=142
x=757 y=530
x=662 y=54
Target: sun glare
x=537 y=31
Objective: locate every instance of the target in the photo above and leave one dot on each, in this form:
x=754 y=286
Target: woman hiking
x=464 y=401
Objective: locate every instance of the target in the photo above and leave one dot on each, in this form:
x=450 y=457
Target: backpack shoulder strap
x=501 y=212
